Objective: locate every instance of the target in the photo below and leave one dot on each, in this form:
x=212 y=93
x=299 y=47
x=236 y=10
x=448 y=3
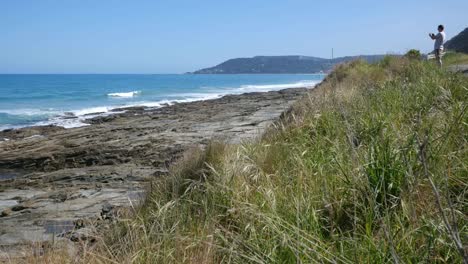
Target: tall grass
x=452 y=58
x=370 y=167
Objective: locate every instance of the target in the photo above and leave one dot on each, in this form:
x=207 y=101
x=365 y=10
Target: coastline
x=56 y=178
x=46 y=103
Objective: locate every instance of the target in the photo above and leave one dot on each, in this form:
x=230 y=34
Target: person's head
x=440 y=28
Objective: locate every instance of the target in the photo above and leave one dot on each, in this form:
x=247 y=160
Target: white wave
x=261 y=87
x=91 y=110
x=272 y=87
x=63 y=121
x=189 y=97
x=124 y=95
x=30 y=112
x=199 y=96
x=78 y=117
x=160 y=103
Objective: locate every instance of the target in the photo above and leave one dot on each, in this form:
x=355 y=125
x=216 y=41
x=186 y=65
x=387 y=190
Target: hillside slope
x=370 y=167
x=459 y=43
x=281 y=64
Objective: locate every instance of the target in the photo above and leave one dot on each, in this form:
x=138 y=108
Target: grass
x=452 y=58
x=370 y=167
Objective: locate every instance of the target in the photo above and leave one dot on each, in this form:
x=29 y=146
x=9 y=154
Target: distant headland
x=281 y=64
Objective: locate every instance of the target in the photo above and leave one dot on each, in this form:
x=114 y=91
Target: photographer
x=439 y=43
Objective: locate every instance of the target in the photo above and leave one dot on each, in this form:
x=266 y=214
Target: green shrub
x=413 y=54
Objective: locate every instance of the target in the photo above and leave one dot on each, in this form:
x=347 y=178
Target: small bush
x=413 y=54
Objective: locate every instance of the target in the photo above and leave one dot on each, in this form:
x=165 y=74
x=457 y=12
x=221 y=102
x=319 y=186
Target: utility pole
x=332 y=54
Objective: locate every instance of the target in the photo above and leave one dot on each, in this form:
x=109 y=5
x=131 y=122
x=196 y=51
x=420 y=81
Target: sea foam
x=91 y=110
x=271 y=87
x=124 y=95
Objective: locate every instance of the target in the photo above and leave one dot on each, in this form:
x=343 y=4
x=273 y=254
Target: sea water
x=68 y=99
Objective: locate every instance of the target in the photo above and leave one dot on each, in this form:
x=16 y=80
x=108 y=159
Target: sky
x=175 y=36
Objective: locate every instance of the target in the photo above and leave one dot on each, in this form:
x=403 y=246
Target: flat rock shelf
x=52 y=178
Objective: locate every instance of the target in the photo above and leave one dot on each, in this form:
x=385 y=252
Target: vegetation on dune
x=369 y=168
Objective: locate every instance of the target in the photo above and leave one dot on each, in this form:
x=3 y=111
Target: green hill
x=459 y=43
x=281 y=64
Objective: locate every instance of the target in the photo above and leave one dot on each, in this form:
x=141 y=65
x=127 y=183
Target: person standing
x=439 y=43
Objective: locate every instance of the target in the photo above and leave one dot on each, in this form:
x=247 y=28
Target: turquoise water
x=37 y=99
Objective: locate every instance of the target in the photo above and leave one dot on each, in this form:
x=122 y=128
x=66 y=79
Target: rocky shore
x=53 y=181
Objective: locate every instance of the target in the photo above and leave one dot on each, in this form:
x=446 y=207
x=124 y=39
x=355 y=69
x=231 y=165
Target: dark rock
x=83 y=234
x=107 y=212
x=107 y=208
x=79 y=223
x=5 y=212
x=59 y=197
x=18 y=207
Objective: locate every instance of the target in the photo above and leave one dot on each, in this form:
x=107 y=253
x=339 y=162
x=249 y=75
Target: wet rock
x=18 y=198
x=77 y=196
x=109 y=212
x=79 y=223
x=83 y=234
x=14 y=134
x=18 y=207
x=107 y=208
x=59 y=197
x=5 y=212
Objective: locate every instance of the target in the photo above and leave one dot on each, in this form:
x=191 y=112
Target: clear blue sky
x=172 y=36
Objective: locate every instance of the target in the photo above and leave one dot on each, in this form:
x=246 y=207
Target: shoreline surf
x=77 y=117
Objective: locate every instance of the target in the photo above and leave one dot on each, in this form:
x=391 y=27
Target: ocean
x=68 y=99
